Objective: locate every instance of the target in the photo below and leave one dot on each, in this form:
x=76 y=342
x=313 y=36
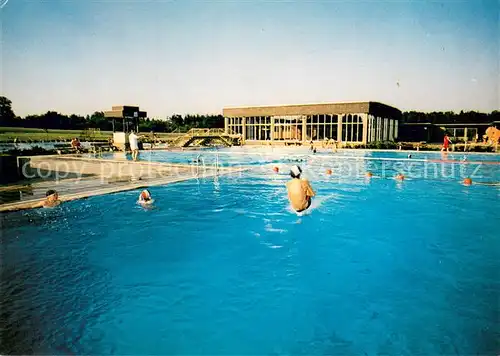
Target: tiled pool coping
x=92 y=184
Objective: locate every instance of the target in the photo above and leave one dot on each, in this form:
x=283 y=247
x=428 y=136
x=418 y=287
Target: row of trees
x=450 y=117
x=55 y=120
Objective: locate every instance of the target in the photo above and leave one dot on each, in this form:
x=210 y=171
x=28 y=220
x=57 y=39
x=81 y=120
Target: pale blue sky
x=198 y=57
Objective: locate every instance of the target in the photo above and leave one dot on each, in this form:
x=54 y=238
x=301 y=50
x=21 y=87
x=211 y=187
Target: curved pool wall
x=221 y=266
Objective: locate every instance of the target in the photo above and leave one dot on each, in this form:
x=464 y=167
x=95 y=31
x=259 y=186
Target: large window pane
x=321 y=132
x=355 y=132
x=328 y=131
x=334 y=134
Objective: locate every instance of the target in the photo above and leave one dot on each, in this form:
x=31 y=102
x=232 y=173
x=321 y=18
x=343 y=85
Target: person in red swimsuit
x=446 y=143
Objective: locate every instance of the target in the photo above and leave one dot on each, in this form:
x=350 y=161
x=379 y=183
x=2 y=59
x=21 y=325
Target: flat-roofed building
x=360 y=122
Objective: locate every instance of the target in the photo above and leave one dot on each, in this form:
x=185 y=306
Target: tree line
x=450 y=117
x=55 y=120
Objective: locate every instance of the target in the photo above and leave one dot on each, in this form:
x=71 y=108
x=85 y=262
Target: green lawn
x=8 y=134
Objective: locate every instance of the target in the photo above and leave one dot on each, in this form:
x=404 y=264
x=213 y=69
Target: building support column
x=243 y=129
x=272 y=129
x=339 y=128
x=304 y=128
x=365 y=129
x=226 y=125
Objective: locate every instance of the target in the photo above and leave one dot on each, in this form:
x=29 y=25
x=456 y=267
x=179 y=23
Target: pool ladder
x=200 y=159
x=217 y=163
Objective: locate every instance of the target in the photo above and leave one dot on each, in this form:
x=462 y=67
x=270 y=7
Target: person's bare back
x=299 y=190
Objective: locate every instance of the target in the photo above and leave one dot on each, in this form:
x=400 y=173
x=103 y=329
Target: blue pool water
x=221 y=266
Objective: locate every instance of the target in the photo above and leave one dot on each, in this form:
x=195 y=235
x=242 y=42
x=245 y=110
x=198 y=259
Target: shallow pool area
x=221 y=265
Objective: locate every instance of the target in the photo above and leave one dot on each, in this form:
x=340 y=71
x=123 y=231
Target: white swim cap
x=296 y=171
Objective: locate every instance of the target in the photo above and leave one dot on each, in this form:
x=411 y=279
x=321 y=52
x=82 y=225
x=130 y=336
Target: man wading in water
x=300 y=192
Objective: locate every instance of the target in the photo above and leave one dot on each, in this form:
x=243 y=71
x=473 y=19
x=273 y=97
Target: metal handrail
x=201 y=132
x=198 y=131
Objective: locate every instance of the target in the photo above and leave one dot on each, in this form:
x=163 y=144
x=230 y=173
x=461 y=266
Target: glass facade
x=381 y=129
x=356 y=128
x=234 y=125
x=321 y=127
x=463 y=133
x=287 y=128
x=258 y=128
x=352 y=128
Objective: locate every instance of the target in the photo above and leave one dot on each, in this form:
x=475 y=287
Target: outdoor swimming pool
x=221 y=266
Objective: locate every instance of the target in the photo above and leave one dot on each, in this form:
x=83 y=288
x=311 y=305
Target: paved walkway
x=76 y=178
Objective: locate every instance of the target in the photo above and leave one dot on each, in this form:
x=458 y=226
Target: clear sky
x=80 y=56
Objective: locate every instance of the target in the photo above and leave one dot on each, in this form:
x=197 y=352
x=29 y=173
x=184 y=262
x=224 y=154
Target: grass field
x=8 y=134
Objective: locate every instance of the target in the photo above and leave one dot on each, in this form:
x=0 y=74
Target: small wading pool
x=221 y=266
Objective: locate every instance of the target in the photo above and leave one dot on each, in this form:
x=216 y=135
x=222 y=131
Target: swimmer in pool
x=145 y=197
x=300 y=192
x=51 y=199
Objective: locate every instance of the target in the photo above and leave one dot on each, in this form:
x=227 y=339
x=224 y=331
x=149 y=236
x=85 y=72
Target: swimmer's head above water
x=145 y=195
x=295 y=172
x=52 y=194
x=51 y=199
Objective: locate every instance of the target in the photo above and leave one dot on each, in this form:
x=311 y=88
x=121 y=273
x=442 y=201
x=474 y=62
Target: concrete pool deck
x=77 y=177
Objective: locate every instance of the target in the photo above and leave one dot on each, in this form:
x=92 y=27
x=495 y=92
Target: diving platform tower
x=128 y=118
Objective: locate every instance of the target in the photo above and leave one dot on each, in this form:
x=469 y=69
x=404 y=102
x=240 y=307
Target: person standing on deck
x=133 y=139
x=446 y=143
x=300 y=192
